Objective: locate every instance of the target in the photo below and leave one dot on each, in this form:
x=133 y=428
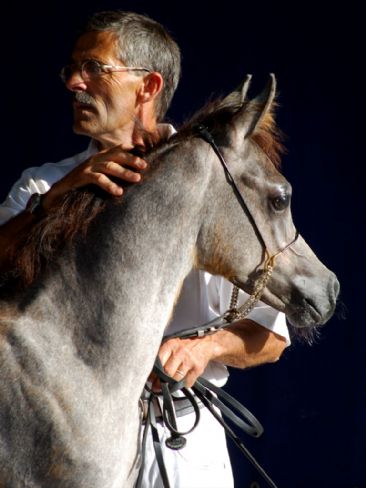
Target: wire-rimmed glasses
x=91 y=68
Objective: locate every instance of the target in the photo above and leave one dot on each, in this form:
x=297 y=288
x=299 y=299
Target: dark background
x=312 y=403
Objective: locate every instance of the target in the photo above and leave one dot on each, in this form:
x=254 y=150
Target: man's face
x=104 y=106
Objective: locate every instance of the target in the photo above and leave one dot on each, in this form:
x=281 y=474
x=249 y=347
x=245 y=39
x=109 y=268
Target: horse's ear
x=245 y=87
x=252 y=114
x=238 y=96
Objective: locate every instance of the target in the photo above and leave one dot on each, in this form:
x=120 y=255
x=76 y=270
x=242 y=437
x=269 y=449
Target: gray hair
x=143 y=42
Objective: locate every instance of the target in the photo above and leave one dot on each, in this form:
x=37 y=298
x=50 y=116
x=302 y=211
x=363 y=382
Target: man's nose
x=75 y=81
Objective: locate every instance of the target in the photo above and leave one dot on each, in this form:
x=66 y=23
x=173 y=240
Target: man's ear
x=150 y=87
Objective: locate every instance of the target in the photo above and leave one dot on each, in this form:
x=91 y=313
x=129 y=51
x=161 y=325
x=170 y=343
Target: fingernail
x=118 y=191
x=142 y=164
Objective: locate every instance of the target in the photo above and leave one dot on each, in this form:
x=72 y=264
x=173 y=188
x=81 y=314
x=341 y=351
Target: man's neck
x=136 y=135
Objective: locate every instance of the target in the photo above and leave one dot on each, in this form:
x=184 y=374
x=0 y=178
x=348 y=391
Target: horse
x=83 y=314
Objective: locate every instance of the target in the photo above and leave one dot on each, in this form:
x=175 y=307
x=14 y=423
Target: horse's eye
x=280 y=202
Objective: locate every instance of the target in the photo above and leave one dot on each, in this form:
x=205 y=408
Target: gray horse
x=80 y=331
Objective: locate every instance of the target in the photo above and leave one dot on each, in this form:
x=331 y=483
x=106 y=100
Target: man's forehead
x=98 y=45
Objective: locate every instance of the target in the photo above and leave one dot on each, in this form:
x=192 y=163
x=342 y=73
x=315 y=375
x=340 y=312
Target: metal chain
x=234 y=298
x=235 y=313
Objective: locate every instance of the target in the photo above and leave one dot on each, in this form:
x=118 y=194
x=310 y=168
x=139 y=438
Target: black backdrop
x=312 y=402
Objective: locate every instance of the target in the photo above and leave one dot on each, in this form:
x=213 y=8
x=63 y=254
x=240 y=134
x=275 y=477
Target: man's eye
x=92 y=67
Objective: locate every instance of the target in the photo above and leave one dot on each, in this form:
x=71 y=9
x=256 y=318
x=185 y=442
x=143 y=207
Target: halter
x=234 y=313
x=208 y=393
x=269 y=263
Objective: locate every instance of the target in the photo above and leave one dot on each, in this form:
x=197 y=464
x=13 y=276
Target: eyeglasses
x=91 y=68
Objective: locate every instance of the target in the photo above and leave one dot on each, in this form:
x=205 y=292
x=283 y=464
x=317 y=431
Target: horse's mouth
x=307 y=315
x=301 y=311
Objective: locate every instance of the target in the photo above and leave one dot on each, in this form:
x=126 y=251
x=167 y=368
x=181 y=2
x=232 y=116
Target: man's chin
x=84 y=129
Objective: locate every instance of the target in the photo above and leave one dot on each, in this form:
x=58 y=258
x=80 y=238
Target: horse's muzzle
x=314 y=306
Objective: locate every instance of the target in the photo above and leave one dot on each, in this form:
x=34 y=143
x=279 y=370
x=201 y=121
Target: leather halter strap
x=203 y=132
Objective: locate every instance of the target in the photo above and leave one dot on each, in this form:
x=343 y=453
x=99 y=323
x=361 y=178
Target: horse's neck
x=121 y=287
x=91 y=329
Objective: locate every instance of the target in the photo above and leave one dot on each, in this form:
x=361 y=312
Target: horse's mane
x=78 y=208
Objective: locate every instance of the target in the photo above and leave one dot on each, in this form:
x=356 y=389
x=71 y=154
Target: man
x=123 y=73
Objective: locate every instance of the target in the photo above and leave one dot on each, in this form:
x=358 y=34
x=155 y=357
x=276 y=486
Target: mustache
x=84 y=97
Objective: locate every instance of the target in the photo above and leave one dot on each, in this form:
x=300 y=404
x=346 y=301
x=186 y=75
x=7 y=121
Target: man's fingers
x=127 y=159
x=166 y=349
x=122 y=157
x=190 y=379
x=172 y=365
x=97 y=170
x=114 y=169
x=106 y=184
x=171 y=355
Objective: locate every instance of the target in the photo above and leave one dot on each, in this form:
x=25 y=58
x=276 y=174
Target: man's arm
x=244 y=345
x=98 y=170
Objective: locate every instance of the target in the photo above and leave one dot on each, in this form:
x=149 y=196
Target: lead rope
x=211 y=396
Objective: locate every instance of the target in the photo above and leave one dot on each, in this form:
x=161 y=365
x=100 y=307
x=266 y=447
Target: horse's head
x=261 y=226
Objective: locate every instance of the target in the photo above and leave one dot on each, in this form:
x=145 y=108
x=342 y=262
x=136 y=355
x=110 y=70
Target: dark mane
x=78 y=208
x=39 y=247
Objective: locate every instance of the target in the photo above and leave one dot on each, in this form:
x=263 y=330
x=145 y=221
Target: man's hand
x=186 y=358
x=98 y=170
x=243 y=345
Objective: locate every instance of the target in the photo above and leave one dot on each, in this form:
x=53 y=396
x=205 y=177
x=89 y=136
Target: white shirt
x=203 y=296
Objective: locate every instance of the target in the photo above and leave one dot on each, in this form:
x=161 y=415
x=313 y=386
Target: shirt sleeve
x=18 y=197
x=219 y=294
x=38 y=179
